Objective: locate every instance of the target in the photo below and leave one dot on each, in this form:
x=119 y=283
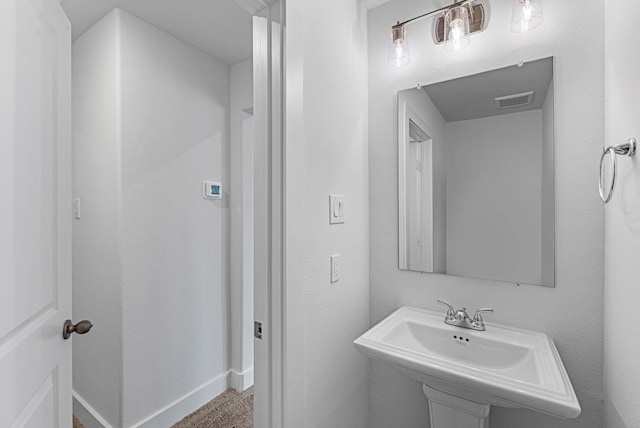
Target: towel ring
x=627 y=148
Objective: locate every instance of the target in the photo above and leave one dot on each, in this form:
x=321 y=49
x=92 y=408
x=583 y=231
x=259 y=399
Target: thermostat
x=212 y=190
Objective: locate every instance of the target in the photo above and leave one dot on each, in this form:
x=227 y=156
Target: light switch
x=335 y=268
x=76 y=208
x=336 y=209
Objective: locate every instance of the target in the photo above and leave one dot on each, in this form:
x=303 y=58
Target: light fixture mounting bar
x=430 y=14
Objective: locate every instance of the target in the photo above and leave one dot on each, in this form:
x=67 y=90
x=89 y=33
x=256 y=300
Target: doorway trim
x=279 y=214
x=278 y=289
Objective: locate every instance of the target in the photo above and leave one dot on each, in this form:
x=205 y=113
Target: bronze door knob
x=81 y=328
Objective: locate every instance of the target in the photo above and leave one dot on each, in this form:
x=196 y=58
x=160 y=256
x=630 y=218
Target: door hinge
x=257 y=329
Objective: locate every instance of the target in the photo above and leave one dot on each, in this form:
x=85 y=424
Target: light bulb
x=527 y=15
x=400 y=57
x=399 y=48
x=457 y=33
x=526 y=11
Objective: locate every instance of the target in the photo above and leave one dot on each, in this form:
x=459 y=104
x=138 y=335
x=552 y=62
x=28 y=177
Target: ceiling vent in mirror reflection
x=512 y=101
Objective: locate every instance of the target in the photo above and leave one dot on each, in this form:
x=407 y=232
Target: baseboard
x=175 y=411
x=241 y=381
x=188 y=403
x=86 y=414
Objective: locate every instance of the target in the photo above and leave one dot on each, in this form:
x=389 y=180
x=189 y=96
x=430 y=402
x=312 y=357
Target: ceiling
x=220 y=28
x=472 y=97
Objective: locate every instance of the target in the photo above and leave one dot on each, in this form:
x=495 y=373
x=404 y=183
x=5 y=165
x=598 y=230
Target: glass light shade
x=457 y=34
x=399 y=48
x=527 y=15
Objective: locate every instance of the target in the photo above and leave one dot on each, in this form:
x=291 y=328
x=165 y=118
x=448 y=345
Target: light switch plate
x=76 y=208
x=335 y=268
x=336 y=209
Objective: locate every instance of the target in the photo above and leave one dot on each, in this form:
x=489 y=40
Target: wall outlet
x=335 y=268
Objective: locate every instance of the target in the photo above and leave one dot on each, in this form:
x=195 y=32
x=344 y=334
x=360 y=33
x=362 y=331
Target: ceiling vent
x=513 y=101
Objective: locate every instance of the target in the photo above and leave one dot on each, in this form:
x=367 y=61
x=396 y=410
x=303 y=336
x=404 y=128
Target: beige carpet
x=228 y=410
x=76 y=423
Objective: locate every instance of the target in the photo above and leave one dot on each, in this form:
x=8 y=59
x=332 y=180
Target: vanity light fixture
x=456 y=23
x=527 y=15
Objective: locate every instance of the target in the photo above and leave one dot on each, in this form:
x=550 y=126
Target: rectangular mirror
x=476 y=177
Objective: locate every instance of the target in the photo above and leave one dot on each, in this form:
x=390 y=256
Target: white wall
x=168 y=133
x=97 y=270
x=241 y=222
x=547 y=206
x=571 y=313
x=175 y=102
x=622 y=236
x=327 y=64
x=494 y=182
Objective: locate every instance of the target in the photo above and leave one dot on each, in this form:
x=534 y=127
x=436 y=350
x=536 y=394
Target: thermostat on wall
x=212 y=190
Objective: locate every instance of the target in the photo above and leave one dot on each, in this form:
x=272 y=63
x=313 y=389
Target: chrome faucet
x=460 y=317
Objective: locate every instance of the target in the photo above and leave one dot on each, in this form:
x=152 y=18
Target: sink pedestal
x=447 y=411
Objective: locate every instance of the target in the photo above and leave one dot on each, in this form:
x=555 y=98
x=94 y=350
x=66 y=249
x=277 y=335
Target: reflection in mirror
x=416 y=193
x=475 y=176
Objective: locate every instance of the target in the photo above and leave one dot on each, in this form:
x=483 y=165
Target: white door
x=35 y=214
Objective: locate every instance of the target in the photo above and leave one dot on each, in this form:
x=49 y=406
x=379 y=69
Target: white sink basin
x=501 y=366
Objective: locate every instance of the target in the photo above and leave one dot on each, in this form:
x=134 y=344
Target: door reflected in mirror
x=476 y=177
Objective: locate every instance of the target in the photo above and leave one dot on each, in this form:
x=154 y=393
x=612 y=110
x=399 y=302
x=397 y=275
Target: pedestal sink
x=465 y=372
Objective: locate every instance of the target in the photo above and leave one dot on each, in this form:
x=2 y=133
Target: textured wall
x=622 y=236
x=331 y=68
x=151 y=257
x=97 y=272
x=241 y=222
x=175 y=102
x=571 y=313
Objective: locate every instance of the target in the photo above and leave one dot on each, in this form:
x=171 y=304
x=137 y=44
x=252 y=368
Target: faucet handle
x=450 y=311
x=477 y=317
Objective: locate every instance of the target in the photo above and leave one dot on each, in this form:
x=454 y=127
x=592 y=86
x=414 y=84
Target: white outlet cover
x=335 y=268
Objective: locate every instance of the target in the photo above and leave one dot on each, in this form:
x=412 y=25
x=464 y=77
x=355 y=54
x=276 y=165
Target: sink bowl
x=502 y=366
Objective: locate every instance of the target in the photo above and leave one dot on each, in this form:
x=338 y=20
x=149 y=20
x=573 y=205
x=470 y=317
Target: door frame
x=278 y=225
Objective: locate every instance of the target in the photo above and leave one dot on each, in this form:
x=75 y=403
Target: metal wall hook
x=626 y=148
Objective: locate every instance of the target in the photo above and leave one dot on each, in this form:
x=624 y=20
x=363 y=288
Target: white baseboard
x=168 y=415
x=241 y=381
x=86 y=414
x=188 y=403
